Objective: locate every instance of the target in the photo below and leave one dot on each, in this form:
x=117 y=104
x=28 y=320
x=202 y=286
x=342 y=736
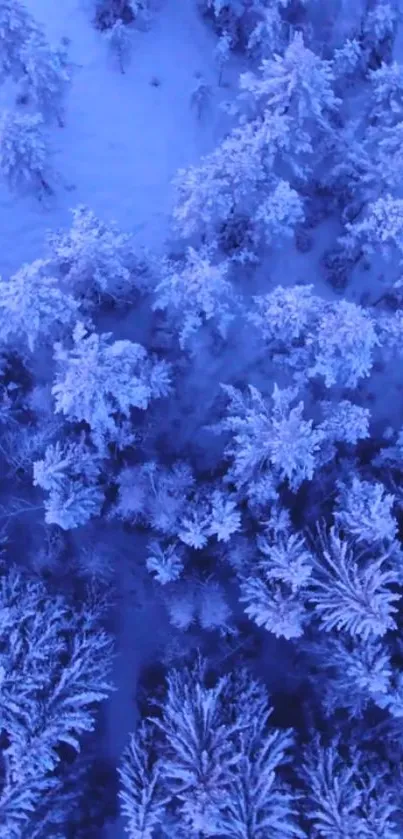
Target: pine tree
x=95 y=256
x=16 y=26
x=351 y=589
x=142 y=795
x=196 y=293
x=54 y=667
x=97 y=380
x=46 y=78
x=24 y=156
x=297 y=83
x=32 y=306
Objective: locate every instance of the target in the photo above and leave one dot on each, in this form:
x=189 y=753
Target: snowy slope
x=124 y=138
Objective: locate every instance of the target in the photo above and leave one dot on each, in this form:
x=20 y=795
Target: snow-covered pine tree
x=16 y=26
x=269 y=439
x=54 y=669
x=364 y=511
x=343 y=797
x=298 y=83
x=33 y=307
x=24 y=154
x=97 y=380
x=195 y=293
x=142 y=794
x=70 y=474
x=351 y=589
x=46 y=77
x=95 y=257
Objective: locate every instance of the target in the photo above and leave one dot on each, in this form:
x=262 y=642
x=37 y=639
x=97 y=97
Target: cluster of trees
x=289 y=533
x=42 y=75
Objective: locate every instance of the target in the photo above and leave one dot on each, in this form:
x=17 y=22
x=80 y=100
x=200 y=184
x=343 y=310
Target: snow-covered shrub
x=95 y=256
x=55 y=664
x=120 y=44
x=365 y=512
x=16 y=27
x=32 y=306
x=46 y=77
x=24 y=155
x=298 y=83
x=194 y=526
x=97 y=380
x=196 y=292
x=350 y=589
x=269 y=438
x=342 y=799
x=70 y=474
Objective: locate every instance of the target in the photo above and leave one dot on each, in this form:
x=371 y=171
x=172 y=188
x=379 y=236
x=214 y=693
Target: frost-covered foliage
x=70 y=474
x=347 y=60
x=54 y=667
x=365 y=512
x=24 y=155
x=314 y=337
x=239 y=175
x=387 y=93
x=279 y=213
x=344 y=798
x=33 y=307
x=382 y=228
x=344 y=344
x=97 y=380
x=270 y=441
x=298 y=83
x=169 y=501
x=142 y=795
x=351 y=589
x=268 y=34
x=46 y=77
x=219 y=765
x=165 y=562
x=16 y=26
x=274 y=591
x=94 y=257
x=196 y=292
x=353 y=672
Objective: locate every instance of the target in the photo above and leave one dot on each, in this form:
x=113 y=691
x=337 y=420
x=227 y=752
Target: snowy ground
x=124 y=137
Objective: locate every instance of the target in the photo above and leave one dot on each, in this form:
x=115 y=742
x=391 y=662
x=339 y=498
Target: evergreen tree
x=24 y=156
